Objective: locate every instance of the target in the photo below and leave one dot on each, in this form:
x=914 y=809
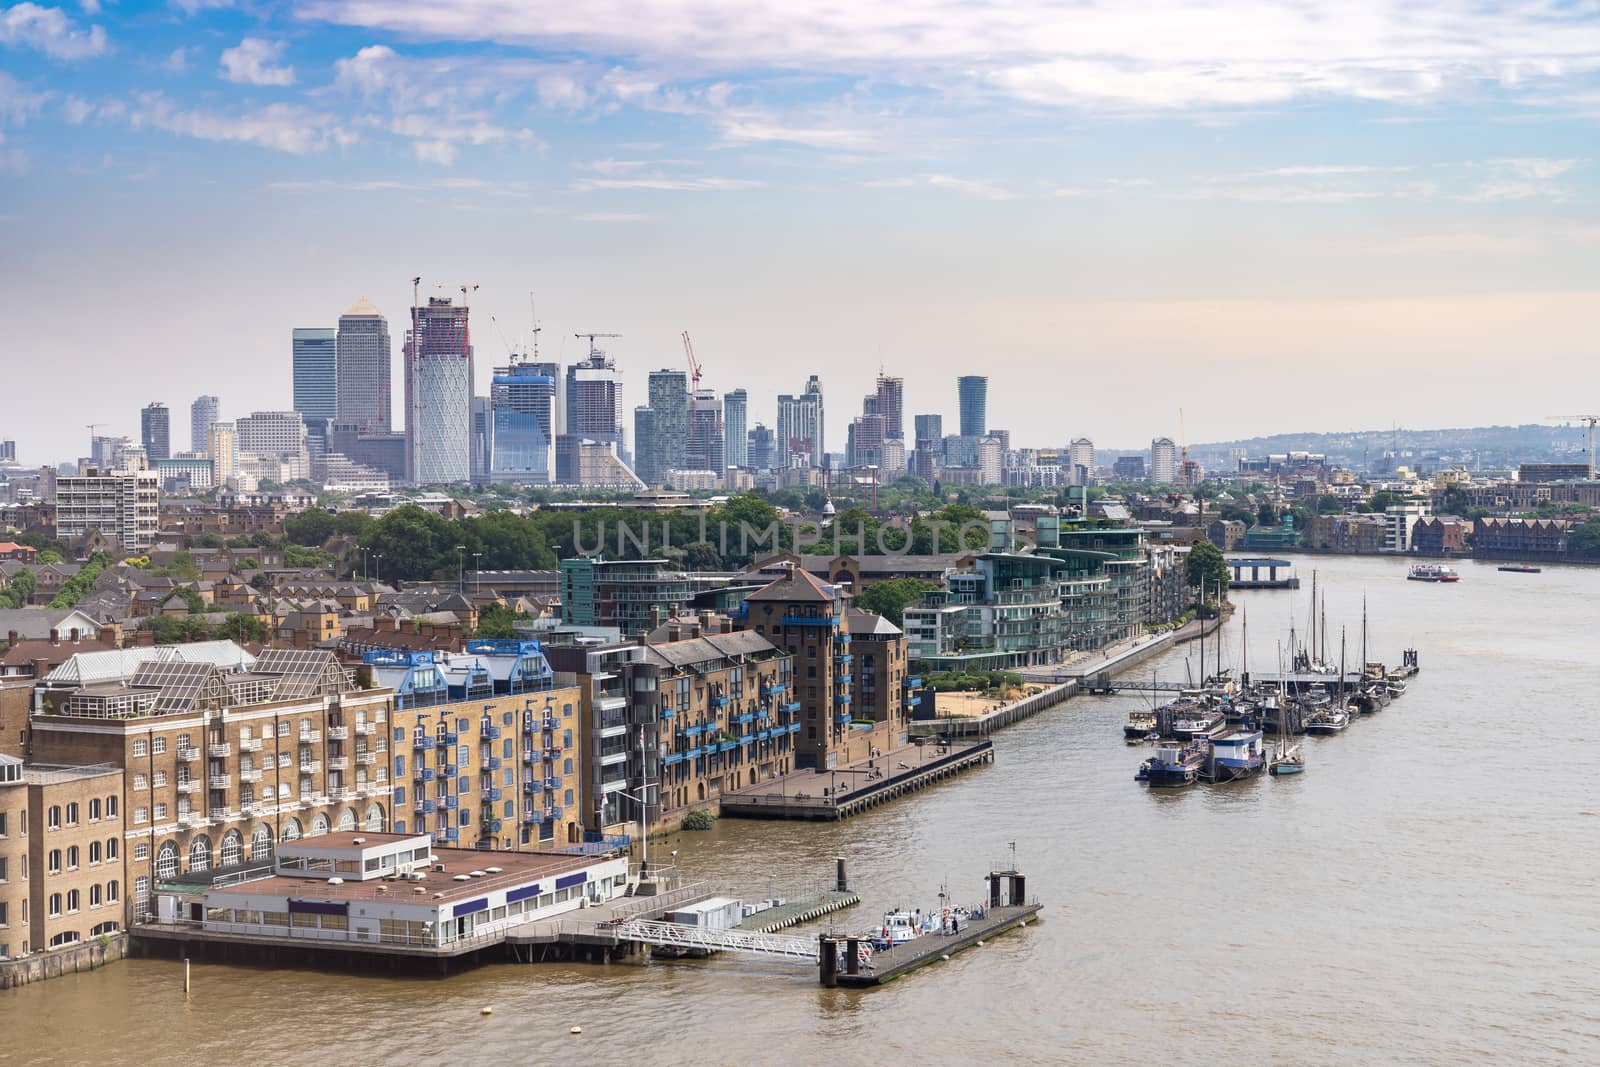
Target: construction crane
x=1591 y=420
x=1183 y=450
x=511 y=352
x=694 y=364
x=464 y=289
x=593 y=351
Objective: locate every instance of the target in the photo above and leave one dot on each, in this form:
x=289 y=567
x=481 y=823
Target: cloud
x=1315 y=171
x=668 y=185
x=1521 y=178
x=1535 y=169
x=610 y=216
x=49 y=30
x=754 y=126
x=1161 y=55
x=610 y=167
x=76 y=110
x=283 y=127
x=1275 y=194
x=441 y=152
x=17 y=103
x=90 y=7
x=252 y=61
x=982 y=190
x=194 y=7
x=382 y=185
x=177 y=62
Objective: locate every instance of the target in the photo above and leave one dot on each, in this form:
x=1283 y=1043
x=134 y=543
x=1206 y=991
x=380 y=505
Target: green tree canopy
x=1583 y=541
x=22 y=587
x=1206 y=562
x=891 y=597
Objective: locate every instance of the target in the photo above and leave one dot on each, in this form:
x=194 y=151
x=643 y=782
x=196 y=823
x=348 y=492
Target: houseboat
x=1140 y=725
x=1237 y=754
x=1176 y=763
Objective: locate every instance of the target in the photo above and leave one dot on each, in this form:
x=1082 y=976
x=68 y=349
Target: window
x=183 y=742
x=73 y=899
x=283 y=728
x=158 y=746
x=94 y=852
x=5 y=919
x=55 y=904
x=232 y=848
x=158 y=779
x=112 y=892
x=140 y=747
x=4 y=875
x=54 y=819
x=53 y=861
x=2 y=824
x=261 y=844
x=141 y=851
x=141 y=782
x=72 y=857
x=200 y=854
x=111 y=807
x=161 y=812
x=94 y=896
x=111 y=849
x=141 y=815
x=284 y=760
x=94 y=810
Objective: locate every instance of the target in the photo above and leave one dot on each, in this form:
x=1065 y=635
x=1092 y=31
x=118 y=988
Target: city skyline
x=1383 y=198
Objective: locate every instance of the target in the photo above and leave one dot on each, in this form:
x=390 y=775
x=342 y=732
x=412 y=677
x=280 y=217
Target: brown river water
x=1428 y=892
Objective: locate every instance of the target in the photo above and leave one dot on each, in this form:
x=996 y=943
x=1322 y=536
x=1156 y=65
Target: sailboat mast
x=1311 y=647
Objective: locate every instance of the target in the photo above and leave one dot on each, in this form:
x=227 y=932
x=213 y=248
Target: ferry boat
x=1237 y=754
x=1140 y=725
x=1176 y=763
x=1432 y=572
x=898 y=927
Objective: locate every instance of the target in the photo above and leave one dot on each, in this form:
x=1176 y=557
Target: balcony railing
x=249 y=744
x=338 y=763
x=188 y=754
x=249 y=774
x=310 y=737
x=423 y=774
x=419 y=742
x=489 y=732
x=310 y=766
x=338 y=733
x=366 y=729
x=220 y=781
x=219 y=750
x=366 y=759
x=189 y=785
x=445 y=739
x=221 y=814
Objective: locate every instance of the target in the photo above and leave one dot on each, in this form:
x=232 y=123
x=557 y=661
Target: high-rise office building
x=930 y=428
x=991 y=461
x=523 y=399
x=891 y=405
x=762 y=442
x=275 y=432
x=316 y=379
x=155 y=430
x=482 y=434
x=735 y=415
x=361 y=355
x=202 y=413
x=865 y=447
x=669 y=441
x=801 y=428
x=705 y=432
x=8 y=451
x=973 y=392
x=592 y=394
x=222 y=446
x=1080 y=460
x=1164 y=461
x=439 y=394
x=645 y=464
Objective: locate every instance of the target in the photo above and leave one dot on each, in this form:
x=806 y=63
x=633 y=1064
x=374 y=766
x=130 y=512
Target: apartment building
x=620 y=593
x=614 y=773
x=125 y=505
x=62 y=877
x=224 y=754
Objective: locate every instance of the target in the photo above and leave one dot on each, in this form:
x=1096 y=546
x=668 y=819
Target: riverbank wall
x=84 y=956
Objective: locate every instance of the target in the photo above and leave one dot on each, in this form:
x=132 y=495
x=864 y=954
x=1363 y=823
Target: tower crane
x=694 y=364
x=1591 y=420
x=591 y=336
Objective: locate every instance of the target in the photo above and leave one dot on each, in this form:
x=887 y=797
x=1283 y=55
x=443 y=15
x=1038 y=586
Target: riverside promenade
x=840 y=792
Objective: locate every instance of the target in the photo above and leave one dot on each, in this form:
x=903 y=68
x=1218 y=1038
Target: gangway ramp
x=680 y=935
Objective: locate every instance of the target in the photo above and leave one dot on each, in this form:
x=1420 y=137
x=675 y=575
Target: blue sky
x=1275 y=215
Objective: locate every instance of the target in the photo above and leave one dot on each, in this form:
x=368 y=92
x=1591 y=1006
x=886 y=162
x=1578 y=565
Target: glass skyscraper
x=523 y=398
x=155 y=432
x=202 y=413
x=363 y=365
x=316 y=379
x=439 y=394
x=735 y=415
x=973 y=392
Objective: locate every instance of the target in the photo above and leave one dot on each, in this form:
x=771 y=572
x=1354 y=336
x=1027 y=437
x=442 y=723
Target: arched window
x=73 y=899
x=55 y=903
x=167 y=861
x=261 y=844
x=54 y=817
x=94 y=896
x=232 y=848
x=53 y=864
x=113 y=892
x=319 y=825
x=112 y=848
x=72 y=857
x=291 y=830
x=72 y=813
x=374 y=823
x=94 y=810
x=200 y=854
x=347 y=819
x=94 y=852
x=111 y=807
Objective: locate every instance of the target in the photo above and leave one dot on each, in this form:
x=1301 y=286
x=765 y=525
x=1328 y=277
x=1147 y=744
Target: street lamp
x=377 y=568
x=461 y=567
x=477 y=574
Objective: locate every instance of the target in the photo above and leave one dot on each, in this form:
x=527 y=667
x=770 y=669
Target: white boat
x=1432 y=572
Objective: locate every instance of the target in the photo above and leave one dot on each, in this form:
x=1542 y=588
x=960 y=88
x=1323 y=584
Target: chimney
x=11 y=637
x=41 y=667
x=655 y=616
x=705 y=624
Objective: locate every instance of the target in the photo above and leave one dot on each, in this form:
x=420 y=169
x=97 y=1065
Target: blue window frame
x=399 y=766
x=399 y=794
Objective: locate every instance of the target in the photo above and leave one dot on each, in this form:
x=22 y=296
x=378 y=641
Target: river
x=1425 y=893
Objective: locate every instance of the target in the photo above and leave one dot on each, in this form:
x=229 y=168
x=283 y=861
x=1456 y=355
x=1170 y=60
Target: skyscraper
x=316 y=379
x=202 y=413
x=523 y=398
x=1164 y=461
x=644 y=445
x=801 y=428
x=736 y=443
x=973 y=393
x=1080 y=460
x=761 y=444
x=891 y=405
x=222 y=445
x=482 y=437
x=592 y=414
x=361 y=355
x=930 y=428
x=705 y=432
x=669 y=441
x=438 y=394
x=155 y=430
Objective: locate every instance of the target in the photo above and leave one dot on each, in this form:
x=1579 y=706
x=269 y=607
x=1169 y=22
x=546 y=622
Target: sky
x=1273 y=216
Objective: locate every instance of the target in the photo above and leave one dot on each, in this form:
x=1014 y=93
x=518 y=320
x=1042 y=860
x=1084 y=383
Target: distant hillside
x=1472 y=446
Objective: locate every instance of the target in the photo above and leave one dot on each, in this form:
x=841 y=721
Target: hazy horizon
x=1277 y=219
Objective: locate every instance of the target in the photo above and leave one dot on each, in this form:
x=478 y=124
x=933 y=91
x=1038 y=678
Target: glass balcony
x=419 y=742
x=446 y=739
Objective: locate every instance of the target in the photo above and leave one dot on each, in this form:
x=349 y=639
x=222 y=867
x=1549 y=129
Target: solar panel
x=181 y=683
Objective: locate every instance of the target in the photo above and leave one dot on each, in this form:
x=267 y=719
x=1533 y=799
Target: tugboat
x=1176 y=763
x=1237 y=754
x=1432 y=572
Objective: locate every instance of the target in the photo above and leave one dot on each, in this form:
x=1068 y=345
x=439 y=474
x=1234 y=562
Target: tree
x=1380 y=500
x=890 y=598
x=498 y=621
x=20 y=591
x=1584 y=541
x=1206 y=562
x=1328 y=504
x=310 y=528
x=77 y=587
x=1267 y=515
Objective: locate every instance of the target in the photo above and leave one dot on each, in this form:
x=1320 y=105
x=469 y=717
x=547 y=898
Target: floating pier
x=1254 y=579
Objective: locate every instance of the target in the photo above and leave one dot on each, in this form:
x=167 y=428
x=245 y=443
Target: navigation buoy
x=485 y=1010
x=577 y=1029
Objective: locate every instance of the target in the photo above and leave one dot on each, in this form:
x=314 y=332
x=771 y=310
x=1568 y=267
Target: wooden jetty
x=856 y=787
